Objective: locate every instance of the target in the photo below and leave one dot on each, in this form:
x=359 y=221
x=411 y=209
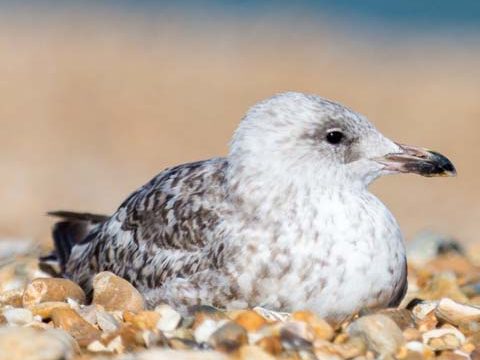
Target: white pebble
x=203 y=332
x=169 y=318
x=18 y=317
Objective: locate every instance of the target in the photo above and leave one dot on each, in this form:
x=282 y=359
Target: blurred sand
x=91 y=107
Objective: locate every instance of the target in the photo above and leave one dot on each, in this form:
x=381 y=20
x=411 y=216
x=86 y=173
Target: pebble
x=165 y=354
x=113 y=346
x=44 y=310
x=168 y=320
x=321 y=328
x=455 y=263
x=206 y=328
x=228 y=337
x=420 y=348
x=424 y=315
x=442 y=285
x=51 y=289
x=270 y=344
x=115 y=293
x=271 y=315
x=18 y=317
x=381 y=334
x=145 y=320
x=107 y=321
x=402 y=317
x=89 y=312
x=456 y=313
x=252 y=352
x=296 y=335
x=444 y=339
x=442 y=323
x=353 y=347
x=423 y=309
x=250 y=320
x=12 y=298
x=80 y=329
x=25 y=343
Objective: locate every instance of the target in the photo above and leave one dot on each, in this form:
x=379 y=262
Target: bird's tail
x=73 y=228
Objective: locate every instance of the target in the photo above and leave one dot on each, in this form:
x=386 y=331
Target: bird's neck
x=263 y=189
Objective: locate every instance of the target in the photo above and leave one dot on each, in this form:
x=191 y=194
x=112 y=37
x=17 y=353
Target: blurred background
x=98 y=97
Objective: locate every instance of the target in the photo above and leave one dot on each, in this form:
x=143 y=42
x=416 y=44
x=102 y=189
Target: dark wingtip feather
x=72 y=229
x=74 y=216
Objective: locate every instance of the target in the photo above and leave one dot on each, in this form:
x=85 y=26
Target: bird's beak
x=419 y=161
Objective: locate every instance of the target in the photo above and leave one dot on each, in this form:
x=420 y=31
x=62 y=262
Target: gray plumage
x=285 y=221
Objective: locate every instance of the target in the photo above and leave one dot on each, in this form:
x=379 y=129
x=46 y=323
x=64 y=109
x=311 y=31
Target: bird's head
x=297 y=134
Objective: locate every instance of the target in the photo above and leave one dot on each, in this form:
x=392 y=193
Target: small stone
x=453 y=355
x=163 y=354
x=271 y=344
x=169 y=318
x=115 y=293
x=456 y=313
x=424 y=314
x=89 y=312
x=132 y=337
x=182 y=344
x=443 y=285
x=250 y=320
x=183 y=333
x=468 y=347
x=12 y=298
x=469 y=328
x=402 y=317
x=455 y=263
x=471 y=290
x=145 y=320
x=297 y=335
x=44 y=310
x=419 y=347
x=202 y=313
x=228 y=337
x=106 y=321
x=321 y=328
x=206 y=328
x=52 y=289
x=116 y=345
x=412 y=334
x=272 y=315
x=353 y=347
x=326 y=355
x=70 y=321
x=381 y=334
x=422 y=309
x=252 y=352
x=25 y=343
x=475 y=355
x=17 y=316
x=444 y=339
x=97 y=346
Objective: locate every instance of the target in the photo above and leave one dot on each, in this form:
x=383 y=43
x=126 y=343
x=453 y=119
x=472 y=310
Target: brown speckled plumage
x=285 y=221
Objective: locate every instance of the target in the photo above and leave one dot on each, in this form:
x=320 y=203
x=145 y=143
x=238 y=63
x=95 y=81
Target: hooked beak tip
x=419 y=161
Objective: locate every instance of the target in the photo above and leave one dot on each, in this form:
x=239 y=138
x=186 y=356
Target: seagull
x=285 y=221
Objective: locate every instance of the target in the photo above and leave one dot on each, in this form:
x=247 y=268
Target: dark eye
x=335 y=137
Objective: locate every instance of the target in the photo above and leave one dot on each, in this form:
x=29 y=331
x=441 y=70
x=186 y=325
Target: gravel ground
x=43 y=318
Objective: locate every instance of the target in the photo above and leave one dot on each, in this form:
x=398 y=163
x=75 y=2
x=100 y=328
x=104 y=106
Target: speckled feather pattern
x=285 y=221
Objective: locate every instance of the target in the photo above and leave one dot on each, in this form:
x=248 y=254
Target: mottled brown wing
x=177 y=209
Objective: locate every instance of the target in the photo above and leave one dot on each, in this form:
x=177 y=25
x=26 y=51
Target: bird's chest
x=337 y=254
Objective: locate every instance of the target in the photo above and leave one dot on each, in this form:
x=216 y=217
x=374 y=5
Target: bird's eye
x=334 y=137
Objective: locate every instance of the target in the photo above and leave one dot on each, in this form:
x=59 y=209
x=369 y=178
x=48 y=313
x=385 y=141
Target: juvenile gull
x=285 y=221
